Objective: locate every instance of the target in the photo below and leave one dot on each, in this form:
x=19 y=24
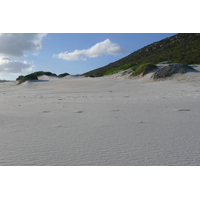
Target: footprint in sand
x=80 y=111
x=141 y=122
x=59 y=126
x=46 y=111
x=184 y=109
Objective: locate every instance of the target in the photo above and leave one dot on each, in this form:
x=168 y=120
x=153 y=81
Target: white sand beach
x=78 y=121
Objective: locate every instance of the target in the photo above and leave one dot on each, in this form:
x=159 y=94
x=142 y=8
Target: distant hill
x=180 y=48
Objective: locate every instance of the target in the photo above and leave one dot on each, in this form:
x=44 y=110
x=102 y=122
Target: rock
x=172 y=69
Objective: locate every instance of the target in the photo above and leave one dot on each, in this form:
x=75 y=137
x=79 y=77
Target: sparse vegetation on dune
x=27 y=78
x=115 y=70
x=143 y=69
x=34 y=76
x=41 y=73
x=63 y=75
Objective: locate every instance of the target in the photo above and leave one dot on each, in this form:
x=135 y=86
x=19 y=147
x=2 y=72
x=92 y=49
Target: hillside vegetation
x=180 y=48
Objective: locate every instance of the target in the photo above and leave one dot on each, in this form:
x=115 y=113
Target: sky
x=74 y=53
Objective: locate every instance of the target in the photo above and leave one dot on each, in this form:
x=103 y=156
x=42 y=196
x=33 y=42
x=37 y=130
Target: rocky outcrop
x=172 y=69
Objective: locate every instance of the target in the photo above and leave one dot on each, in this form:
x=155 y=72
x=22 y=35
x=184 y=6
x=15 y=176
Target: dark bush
x=34 y=76
x=19 y=78
x=63 y=75
x=41 y=73
x=27 y=78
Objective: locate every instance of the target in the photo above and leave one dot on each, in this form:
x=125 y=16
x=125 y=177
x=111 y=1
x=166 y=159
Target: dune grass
x=143 y=69
x=117 y=69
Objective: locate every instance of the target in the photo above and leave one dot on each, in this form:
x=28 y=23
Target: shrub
x=41 y=73
x=28 y=77
x=63 y=75
x=19 y=78
x=33 y=76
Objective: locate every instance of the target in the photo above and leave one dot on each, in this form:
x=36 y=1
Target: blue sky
x=74 y=53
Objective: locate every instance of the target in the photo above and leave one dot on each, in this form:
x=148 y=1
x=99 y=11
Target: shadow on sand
x=37 y=81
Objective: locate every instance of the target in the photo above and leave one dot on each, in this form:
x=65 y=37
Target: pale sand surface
x=101 y=121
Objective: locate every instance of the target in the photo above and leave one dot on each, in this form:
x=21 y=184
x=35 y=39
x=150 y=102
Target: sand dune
x=101 y=121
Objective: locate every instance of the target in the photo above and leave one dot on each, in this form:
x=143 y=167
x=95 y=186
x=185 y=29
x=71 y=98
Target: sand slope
x=101 y=121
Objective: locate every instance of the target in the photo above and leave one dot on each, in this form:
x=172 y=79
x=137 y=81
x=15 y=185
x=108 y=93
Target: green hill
x=180 y=48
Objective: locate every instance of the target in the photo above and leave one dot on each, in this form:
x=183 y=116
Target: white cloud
x=101 y=48
x=15 y=67
x=16 y=44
